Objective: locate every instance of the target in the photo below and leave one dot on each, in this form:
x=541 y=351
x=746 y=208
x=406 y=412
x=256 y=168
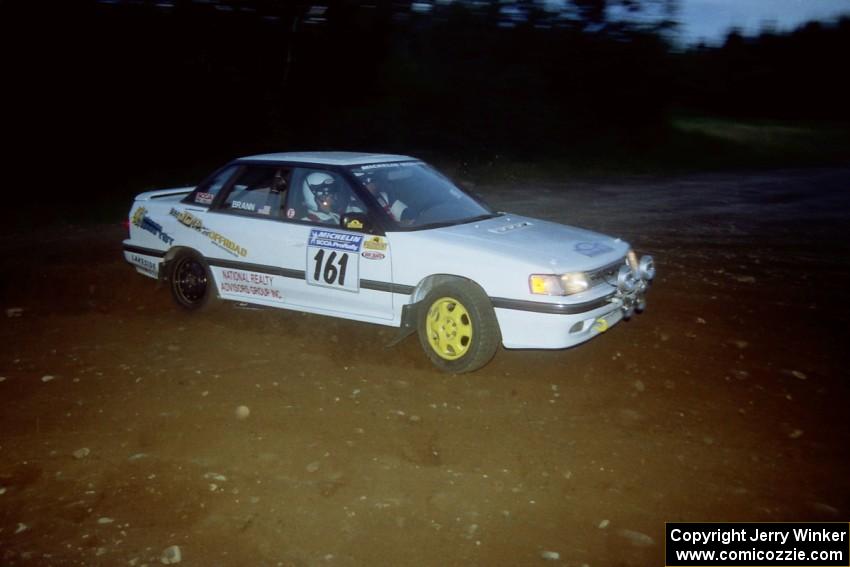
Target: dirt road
x=725 y=401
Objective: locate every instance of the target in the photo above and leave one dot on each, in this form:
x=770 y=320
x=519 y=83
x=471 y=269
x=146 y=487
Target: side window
x=258 y=191
x=206 y=191
x=321 y=196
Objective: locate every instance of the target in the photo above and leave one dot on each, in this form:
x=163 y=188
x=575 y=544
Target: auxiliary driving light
x=646 y=268
x=626 y=280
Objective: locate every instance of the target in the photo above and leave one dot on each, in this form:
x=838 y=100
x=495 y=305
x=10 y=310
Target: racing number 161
x=331 y=273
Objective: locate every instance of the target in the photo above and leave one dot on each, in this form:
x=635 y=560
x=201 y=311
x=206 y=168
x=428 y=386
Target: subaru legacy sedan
x=388 y=240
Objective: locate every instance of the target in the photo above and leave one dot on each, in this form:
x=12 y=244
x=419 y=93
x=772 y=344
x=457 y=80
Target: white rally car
x=384 y=239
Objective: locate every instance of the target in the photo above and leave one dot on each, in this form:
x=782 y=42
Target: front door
x=345 y=271
x=268 y=243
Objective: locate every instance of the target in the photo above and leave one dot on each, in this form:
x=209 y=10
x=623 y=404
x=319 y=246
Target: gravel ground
x=276 y=438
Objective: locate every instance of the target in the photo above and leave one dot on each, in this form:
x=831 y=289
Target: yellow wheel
x=457 y=326
x=449 y=328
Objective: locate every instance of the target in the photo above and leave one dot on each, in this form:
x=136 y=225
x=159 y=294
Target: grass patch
x=772 y=142
x=688 y=144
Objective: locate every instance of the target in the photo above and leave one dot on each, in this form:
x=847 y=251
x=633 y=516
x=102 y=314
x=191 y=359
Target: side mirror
x=359 y=222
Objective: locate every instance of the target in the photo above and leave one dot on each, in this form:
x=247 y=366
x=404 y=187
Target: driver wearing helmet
x=320 y=198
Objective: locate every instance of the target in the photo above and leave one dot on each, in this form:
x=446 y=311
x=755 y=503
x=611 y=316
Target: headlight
x=551 y=284
x=574 y=283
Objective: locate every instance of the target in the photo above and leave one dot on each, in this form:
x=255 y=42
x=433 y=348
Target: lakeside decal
x=375 y=243
x=591 y=249
x=143 y=221
x=249 y=285
x=335 y=240
x=144 y=264
x=191 y=221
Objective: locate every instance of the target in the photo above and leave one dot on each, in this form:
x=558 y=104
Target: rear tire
x=191 y=282
x=457 y=327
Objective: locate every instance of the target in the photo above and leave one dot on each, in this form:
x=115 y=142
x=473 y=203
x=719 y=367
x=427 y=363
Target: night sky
x=710 y=20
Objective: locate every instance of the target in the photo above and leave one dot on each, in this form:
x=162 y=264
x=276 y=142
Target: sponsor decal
x=355 y=224
x=249 y=284
x=143 y=221
x=373 y=255
x=376 y=243
x=335 y=240
x=204 y=198
x=145 y=264
x=243 y=206
x=290 y=213
x=591 y=249
x=387 y=165
x=187 y=219
x=191 y=221
x=333 y=259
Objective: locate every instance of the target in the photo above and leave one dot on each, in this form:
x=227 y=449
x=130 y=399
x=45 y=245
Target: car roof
x=328 y=158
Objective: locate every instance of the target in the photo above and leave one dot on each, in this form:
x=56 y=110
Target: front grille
x=606 y=273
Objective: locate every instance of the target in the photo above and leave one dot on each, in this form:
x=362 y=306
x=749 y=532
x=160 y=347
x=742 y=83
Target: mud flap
x=409 y=314
x=161 y=275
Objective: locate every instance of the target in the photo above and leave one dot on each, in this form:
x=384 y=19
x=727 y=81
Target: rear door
x=245 y=227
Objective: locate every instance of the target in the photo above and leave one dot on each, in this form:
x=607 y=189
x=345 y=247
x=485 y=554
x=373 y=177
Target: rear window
x=258 y=191
x=205 y=193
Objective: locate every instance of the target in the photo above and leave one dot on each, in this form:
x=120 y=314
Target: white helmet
x=317 y=185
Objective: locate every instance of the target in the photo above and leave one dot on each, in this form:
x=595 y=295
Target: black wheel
x=457 y=327
x=191 y=282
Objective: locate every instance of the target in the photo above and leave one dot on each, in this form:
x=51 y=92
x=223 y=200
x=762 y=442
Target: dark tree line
x=796 y=75
x=174 y=81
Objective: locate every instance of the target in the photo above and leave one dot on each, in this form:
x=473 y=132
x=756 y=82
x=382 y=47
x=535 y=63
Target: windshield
x=415 y=195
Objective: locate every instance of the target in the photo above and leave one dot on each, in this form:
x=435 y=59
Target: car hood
x=547 y=244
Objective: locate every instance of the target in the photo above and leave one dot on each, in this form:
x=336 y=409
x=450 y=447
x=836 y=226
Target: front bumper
x=539 y=325
x=526 y=329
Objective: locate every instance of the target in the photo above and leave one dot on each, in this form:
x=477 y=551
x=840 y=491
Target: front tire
x=191 y=281
x=457 y=327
